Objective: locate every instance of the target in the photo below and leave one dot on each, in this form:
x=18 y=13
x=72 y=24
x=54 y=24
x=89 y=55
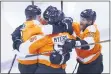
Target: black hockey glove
x=83 y=42
x=16 y=44
x=69 y=45
x=57 y=58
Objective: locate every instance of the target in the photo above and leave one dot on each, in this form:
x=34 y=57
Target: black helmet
x=89 y=14
x=61 y=15
x=56 y=17
x=31 y=11
x=48 y=11
x=52 y=15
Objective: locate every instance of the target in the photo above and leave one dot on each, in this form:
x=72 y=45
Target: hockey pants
x=95 y=67
x=24 y=69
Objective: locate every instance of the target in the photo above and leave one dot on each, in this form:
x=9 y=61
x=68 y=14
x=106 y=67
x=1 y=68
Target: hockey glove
x=57 y=58
x=82 y=42
x=68 y=45
x=16 y=44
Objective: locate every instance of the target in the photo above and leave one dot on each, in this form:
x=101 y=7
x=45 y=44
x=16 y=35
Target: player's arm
x=89 y=35
x=33 y=44
x=16 y=37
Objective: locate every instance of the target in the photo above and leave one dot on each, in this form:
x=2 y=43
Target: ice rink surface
x=13 y=15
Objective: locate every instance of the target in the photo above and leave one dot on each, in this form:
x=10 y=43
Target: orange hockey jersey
x=90 y=35
x=40 y=44
x=31 y=28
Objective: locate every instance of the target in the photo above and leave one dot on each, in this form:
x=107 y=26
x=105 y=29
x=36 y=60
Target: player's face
x=38 y=17
x=41 y=20
x=84 y=22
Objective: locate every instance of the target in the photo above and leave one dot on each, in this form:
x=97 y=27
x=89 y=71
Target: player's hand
x=68 y=45
x=16 y=44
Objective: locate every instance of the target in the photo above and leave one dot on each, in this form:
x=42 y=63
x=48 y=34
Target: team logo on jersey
x=33 y=38
x=91 y=34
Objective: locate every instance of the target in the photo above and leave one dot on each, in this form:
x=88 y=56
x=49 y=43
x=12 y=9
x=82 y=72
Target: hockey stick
x=32 y=2
x=12 y=64
x=75 y=47
x=61 y=5
x=75 y=68
x=94 y=43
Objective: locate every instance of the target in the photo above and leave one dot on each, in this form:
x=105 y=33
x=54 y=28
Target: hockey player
x=29 y=28
x=55 y=60
x=89 y=57
x=26 y=65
